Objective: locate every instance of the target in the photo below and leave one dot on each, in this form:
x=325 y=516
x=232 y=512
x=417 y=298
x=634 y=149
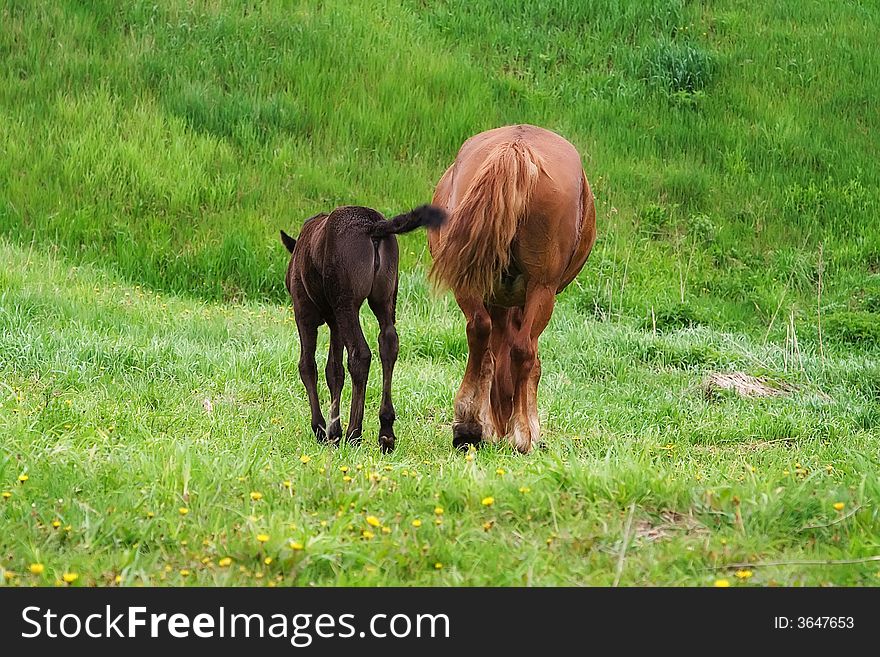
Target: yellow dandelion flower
x=839 y=506
x=262 y=538
x=118 y=579
x=438 y=566
x=525 y=489
x=56 y=524
x=68 y=528
x=487 y=501
x=386 y=530
x=488 y=525
x=8 y=575
x=183 y=510
x=721 y=583
x=287 y=484
x=150 y=514
x=499 y=471
x=438 y=521
x=743 y=574
x=267 y=560
x=37 y=568
x=296 y=546
x=373 y=521
x=256 y=496
x=6 y=495
x=69 y=578
x=184 y=572
x=23 y=478
x=225 y=562
x=367 y=534
x=346 y=479
x=416 y=523
x=438 y=511
x=305 y=458
x=343 y=469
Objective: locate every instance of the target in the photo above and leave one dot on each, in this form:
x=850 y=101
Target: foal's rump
x=361 y=249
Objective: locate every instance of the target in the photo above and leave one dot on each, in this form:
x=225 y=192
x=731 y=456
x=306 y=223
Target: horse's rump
x=474 y=249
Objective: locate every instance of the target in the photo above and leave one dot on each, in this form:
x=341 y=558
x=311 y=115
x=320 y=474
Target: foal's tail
x=474 y=248
x=424 y=215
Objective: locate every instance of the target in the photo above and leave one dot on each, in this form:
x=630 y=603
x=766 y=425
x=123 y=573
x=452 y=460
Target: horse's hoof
x=320 y=434
x=386 y=444
x=466 y=433
x=354 y=441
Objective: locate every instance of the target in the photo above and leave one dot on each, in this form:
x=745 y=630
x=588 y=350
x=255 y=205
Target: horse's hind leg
x=526 y=367
x=473 y=420
x=359 y=355
x=383 y=308
x=335 y=373
x=307 y=323
x=505 y=322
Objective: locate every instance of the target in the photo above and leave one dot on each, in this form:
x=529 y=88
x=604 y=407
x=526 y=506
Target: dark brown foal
x=340 y=260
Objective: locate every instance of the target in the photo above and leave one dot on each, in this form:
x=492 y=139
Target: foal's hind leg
x=307 y=323
x=335 y=381
x=383 y=308
x=359 y=355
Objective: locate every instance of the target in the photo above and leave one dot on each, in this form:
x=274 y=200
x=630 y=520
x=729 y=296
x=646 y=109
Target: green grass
x=150 y=152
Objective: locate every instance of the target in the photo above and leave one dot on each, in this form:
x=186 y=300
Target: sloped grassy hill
x=151 y=151
x=170 y=140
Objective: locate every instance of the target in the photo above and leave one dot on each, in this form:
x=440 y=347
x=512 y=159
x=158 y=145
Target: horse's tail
x=424 y=215
x=474 y=248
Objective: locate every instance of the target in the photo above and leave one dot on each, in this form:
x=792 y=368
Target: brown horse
x=521 y=226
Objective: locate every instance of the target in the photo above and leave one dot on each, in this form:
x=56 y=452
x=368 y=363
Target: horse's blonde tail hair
x=474 y=248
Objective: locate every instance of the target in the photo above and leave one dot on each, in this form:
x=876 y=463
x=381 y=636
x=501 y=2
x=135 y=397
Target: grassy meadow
x=153 y=428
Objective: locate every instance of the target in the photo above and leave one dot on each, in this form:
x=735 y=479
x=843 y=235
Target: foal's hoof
x=320 y=434
x=386 y=444
x=466 y=433
x=354 y=440
x=334 y=434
